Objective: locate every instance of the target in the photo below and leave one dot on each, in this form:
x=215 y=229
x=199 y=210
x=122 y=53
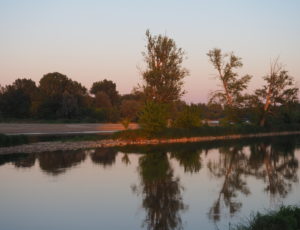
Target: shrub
x=188 y=118
x=153 y=117
x=286 y=218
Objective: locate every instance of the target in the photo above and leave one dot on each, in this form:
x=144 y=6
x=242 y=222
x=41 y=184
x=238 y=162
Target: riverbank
x=60 y=129
x=70 y=145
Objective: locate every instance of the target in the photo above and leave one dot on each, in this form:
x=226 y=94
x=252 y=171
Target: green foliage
x=164 y=74
x=189 y=117
x=279 y=90
x=232 y=84
x=286 y=218
x=153 y=117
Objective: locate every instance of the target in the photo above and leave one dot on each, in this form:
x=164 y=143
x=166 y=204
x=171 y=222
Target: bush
x=286 y=218
x=153 y=117
x=188 y=118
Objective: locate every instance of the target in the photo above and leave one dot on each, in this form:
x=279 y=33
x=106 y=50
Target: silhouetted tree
x=60 y=97
x=107 y=87
x=16 y=99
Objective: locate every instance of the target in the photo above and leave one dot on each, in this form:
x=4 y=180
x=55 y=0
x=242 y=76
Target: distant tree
x=164 y=74
x=60 y=97
x=130 y=108
x=232 y=85
x=279 y=90
x=107 y=87
x=102 y=100
x=16 y=99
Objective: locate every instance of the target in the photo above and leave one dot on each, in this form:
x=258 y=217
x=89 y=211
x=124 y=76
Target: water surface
x=183 y=186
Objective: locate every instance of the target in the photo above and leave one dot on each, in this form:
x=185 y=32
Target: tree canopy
x=164 y=74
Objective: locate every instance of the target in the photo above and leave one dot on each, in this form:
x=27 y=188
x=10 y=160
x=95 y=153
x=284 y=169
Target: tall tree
x=163 y=77
x=279 y=90
x=232 y=85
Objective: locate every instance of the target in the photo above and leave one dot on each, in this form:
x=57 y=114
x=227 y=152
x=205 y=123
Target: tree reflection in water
x=104 y=156
x=272 y=161
x=231 y=165
x=276 y=164
x=161 y=192
x=56 y=163
x=189 y=157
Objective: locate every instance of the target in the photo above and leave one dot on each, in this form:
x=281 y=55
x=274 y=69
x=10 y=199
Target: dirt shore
x=64 y=146
x=52 y=129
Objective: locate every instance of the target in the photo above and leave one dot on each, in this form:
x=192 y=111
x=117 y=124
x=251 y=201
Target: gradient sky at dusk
x=90 y=40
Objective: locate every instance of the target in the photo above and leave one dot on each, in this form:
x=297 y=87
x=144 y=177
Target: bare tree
x=232 y=85
x=279 y=90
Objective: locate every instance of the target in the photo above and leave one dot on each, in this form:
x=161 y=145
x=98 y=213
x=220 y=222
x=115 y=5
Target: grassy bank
x=286 y=218
x=202 y=131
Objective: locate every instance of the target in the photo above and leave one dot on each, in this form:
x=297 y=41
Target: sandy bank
x=52 y=129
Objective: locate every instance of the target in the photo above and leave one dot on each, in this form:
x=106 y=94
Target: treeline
x=156 y=103
x=59 y=97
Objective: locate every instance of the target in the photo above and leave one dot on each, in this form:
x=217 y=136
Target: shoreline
x=69 y=145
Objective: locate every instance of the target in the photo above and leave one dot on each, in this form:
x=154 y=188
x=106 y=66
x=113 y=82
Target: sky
x=90 y=40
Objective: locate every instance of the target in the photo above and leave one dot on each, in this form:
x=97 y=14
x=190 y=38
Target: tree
x=102 y=100
x=130 y=108
x=107 y=87
x=163 y=77
x=16 y=99
x=232 y=85
x=60 y=96
x=279 y=90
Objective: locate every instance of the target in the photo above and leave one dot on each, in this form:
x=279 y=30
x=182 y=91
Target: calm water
x=189 y=186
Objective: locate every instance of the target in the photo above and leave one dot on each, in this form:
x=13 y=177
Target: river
x=180 y=186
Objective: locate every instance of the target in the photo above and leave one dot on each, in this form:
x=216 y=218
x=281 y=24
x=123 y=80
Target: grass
x=286 y=218
x=202 y=131
x=7 y=140
x=12 y=140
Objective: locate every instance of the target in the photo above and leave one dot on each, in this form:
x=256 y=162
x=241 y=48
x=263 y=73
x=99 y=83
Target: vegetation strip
x=63 y=146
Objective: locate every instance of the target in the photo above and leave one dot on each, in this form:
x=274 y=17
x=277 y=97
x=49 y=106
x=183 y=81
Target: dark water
x=189 y=186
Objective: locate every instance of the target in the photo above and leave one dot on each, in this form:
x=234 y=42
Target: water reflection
x=56 y=163
x=230 y=166
x=160 y=191
x=105 y=157
x=270 y=161
x=276 y=165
